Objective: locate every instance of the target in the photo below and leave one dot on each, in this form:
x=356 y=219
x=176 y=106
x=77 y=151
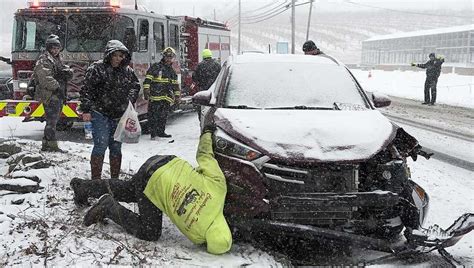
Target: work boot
x=80 y=192
x=164 y=135
x=424 y=103
x=115 y=163
x=97 y=161
x=107 y=207
x=50 y=146
x=100 y=210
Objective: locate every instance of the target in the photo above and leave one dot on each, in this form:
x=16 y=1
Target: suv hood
x=302 y=135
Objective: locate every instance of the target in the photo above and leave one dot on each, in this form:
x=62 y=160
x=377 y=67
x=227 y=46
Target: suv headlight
x=227 y=145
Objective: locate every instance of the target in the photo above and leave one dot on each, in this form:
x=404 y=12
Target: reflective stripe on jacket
x=161 y=83
x=194 y=198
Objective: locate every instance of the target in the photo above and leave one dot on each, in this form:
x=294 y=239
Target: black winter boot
x=107 y=207
x=83 y=189
x=115 y=164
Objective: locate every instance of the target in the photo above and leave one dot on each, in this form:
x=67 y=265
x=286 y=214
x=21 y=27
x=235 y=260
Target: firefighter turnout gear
x=433 y=71
x=168 y=52
x=161 y=88
x=192 y=198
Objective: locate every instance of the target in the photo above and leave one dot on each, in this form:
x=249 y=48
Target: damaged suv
x=305 y=151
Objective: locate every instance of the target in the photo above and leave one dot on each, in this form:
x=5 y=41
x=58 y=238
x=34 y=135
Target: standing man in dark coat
x=310 y=48
x=161 y=88
x=109 y=86
x=50 y=76
x=433 y=71
x=206 y=73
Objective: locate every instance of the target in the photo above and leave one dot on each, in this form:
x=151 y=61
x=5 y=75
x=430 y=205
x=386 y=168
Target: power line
x=265 y=14
x=403 y=11
x=258 y=9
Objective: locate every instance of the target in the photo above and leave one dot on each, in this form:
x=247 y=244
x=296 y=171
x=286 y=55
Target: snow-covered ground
x=452 y=89
x=47 y=227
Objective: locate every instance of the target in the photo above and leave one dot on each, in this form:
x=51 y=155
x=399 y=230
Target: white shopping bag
x=128 y=129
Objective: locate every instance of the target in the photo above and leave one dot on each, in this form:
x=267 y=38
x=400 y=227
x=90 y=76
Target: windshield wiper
x=300 y=107
x=240 y=107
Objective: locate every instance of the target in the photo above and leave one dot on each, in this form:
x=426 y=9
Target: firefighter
x=50 y=76
x=193 y=198
x=109 y=85
x=161 y=88
x=310 y=48
x=433 y=71
x=206 y=73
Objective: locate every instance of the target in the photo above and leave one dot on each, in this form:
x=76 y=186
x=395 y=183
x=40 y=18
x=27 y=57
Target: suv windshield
x=91 y=32
x=291 y=84
x=32 y=31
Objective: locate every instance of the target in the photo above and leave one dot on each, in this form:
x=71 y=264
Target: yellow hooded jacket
x=194 y=198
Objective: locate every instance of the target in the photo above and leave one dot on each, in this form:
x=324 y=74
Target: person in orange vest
x=193 y=198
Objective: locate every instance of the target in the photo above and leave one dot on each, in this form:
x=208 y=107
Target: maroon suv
x=301 y=144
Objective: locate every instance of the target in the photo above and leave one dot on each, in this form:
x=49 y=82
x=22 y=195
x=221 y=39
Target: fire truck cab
x=84 y=28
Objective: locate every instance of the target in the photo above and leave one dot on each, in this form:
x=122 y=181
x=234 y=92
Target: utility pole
x=215 y=17
x=136 y=5
x=309 y=19
x=293 y=22
x=240 y=26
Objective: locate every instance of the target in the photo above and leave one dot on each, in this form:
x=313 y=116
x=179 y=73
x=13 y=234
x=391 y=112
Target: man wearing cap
x=50 y=76
x=433 y=71
x=161 y=88
x=193 y=198
x=310 y=48
x=206 y=73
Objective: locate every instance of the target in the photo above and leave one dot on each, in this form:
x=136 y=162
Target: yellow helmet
x=168 y=52
x=206 y=53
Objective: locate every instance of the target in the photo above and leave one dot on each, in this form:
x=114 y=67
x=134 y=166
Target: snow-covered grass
x=47 y=227
x=452 y=89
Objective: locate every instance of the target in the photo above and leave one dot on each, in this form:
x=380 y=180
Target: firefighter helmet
x=206 y=53
x=52 y=41
x=168 y=52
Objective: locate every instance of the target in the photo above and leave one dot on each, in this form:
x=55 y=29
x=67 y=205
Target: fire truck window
x=159 y=36
x=31 y=32
x=174 y=36
x=143 y=36
x=91 y=32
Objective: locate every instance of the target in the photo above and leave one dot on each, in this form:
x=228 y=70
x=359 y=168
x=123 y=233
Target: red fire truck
x=84 y=28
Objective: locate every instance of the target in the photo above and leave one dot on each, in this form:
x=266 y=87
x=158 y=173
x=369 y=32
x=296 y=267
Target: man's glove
x=413 y=64
x=207 y=121
x=441 y=57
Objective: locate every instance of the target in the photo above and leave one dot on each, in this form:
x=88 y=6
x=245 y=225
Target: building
x=455 y=43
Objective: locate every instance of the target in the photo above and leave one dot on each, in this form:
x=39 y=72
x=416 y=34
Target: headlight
x=227 y=145
x=23 y=85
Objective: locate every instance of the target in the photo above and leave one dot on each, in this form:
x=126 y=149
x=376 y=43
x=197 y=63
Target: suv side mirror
x=202 y=98
x=380 y=100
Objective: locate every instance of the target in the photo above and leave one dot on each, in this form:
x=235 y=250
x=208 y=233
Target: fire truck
x=84 y=27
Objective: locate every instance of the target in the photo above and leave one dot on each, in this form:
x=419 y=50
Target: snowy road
x=25 y=239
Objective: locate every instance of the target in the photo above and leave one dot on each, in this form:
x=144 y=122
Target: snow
x=51 y=212
x=68 y=243
x=454 y=29
x=280 y=58
x=452 y=89
x=322 y=135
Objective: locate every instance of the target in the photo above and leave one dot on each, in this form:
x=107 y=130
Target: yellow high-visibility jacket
x=194 y=198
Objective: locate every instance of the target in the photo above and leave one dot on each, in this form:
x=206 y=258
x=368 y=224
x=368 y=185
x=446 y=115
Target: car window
x=273 y=85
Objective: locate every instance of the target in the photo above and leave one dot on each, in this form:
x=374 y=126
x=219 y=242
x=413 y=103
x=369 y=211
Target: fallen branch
x=20 y=188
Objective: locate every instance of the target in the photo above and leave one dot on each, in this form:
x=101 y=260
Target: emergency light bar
x=73 y=3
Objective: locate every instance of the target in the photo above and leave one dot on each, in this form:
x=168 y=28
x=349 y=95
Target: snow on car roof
x=279 y=58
